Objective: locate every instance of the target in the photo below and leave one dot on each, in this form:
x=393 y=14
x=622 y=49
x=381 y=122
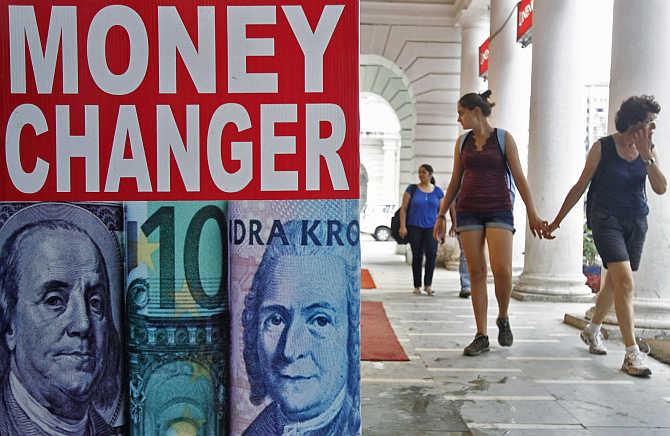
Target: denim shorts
x=618 y=239
x=501 y=219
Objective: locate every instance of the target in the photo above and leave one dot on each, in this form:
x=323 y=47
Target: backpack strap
x=501 y=134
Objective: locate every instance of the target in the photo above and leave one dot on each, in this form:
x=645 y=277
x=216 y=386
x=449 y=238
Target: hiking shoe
x=595 y=342
x=633 y=364
x=465 y=293
x=505 y=337
x=417 y=291
x=478 y=346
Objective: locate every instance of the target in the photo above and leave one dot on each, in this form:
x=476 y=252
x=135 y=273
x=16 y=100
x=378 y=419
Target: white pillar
x=391 y=168
x=553 y=269
x=509 y=79
x=472 y=36
x=640 y=38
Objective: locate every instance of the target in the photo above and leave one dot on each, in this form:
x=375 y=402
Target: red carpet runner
x=378 y=341
x=366 y=280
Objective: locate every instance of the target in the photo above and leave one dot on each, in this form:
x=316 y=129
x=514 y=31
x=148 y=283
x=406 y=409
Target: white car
x=376 y=220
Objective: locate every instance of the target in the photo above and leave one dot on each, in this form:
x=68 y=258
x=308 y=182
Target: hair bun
x=485 y=95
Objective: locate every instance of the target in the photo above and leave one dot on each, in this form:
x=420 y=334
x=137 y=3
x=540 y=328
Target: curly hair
x=273 y=253
x=634 y=110
x=10 y=257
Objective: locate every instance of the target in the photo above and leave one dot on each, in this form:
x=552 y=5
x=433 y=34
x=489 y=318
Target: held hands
x=548 y=229
x=537 y=225
x=402 y=231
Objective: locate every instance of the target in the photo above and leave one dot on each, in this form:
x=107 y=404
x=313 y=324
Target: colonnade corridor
x=547 y=383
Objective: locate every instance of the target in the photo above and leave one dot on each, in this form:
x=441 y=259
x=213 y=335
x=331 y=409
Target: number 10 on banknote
x=177 y=315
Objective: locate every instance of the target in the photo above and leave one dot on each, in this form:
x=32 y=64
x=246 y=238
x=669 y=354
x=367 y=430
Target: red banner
x=173 y=100
x=524 y=22
x=484 y=58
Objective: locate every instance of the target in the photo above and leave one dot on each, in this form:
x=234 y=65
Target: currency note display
x=61 y=332
x=294 y=295
x=177 y=317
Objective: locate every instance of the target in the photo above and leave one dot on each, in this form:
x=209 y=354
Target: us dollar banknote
x=61 y=289
x=294 y=294
x=177 y=316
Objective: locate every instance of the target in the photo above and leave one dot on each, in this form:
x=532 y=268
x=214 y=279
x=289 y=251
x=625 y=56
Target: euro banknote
x=177 y=317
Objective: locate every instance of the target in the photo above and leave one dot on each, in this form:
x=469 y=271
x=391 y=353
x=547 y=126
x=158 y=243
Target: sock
x=593 y=328
x=633 y=348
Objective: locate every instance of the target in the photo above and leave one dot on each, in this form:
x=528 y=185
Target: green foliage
x=589 y=253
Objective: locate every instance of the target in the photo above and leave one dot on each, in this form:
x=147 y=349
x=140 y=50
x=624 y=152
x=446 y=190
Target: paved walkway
x=546 y=383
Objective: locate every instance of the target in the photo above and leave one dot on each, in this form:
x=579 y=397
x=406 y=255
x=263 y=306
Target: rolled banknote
x=177 y=317
x=294 y=293
x=61 y=285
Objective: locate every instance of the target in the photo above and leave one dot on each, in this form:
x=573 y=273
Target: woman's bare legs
x=473 y=245
x=500 y=254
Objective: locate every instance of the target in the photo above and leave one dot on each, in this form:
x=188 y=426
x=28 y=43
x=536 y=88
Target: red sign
x=177 y=100
x=484 y=58
x=524 y=22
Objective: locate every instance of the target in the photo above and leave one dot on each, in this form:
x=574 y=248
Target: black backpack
x=395 y=221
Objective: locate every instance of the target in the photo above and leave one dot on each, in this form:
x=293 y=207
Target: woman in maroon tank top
x=481 y=179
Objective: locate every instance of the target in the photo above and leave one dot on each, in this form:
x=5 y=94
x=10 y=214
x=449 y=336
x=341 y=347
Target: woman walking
x=617 y=167
x=486 y=166
x=422 y=201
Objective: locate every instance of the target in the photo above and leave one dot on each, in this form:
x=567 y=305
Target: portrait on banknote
x=299 y=322
x=60 y=284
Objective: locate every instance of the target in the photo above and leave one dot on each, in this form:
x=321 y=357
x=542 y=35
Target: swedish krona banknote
x=61 y=285
x=177 y=312
x=294 y=290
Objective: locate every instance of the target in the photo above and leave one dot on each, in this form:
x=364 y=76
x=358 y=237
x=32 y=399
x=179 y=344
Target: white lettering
x=271 y=145
x=24 y=115
x=173 y=38
x=241 y=151
x=131 y=22
x=326 y=147
x=86 y=146
x=313 y=45
x=169 y=141
x=240 y=47
x=62 y=29
x=127 y=126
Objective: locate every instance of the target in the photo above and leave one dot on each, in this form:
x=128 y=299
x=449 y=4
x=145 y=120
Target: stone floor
x=546 y=384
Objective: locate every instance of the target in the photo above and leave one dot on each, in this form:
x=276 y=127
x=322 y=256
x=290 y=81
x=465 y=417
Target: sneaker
x=465 y=293
x=478 y=346
x=417 y=291
x=505 y=337
x=633 y=364
x=429 y=291
x=595 y=342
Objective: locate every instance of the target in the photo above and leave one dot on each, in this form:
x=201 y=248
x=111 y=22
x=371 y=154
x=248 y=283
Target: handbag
x=395 y=221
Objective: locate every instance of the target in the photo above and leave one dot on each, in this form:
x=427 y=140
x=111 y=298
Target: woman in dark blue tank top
x=617 y=168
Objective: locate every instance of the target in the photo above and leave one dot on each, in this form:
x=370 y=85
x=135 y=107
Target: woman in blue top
x=422 y=200
x=617 y=167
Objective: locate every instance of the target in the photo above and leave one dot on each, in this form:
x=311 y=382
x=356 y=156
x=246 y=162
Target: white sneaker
x=595 y=342
x=633 y=364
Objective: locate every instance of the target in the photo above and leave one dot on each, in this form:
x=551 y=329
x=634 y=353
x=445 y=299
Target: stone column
x=553 y=269
x=640 y=66
x=472 y=36
x=509 y=79
x=391 y=150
